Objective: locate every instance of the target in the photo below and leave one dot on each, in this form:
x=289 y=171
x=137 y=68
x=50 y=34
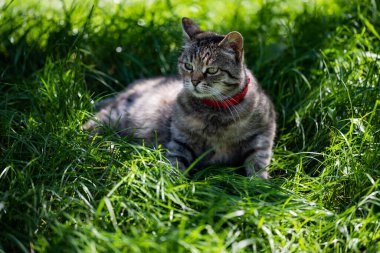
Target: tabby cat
x=216 y=106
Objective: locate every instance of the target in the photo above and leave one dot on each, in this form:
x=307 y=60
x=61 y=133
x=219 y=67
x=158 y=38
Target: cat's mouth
x=198 y=92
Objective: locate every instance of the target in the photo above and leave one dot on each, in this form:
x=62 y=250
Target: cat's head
x=211 y=65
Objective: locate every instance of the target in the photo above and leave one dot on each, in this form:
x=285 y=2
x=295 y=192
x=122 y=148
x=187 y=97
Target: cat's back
x=153 y=93
x=142 y=109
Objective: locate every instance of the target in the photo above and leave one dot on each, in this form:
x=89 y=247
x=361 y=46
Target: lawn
x=66 y=190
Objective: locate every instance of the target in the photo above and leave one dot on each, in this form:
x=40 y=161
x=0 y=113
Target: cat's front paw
x=90 y=125
x=177 y=163
x=251 y=171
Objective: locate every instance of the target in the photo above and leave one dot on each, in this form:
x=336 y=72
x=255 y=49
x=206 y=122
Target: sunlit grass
x=65 y=190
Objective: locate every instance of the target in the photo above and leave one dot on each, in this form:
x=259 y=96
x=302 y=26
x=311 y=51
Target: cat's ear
x=190 y=28
x=233 y=40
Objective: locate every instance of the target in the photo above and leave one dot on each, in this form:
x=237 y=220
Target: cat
x=216 y=108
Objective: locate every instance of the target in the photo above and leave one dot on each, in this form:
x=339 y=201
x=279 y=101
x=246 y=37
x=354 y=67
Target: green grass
x=63 y=190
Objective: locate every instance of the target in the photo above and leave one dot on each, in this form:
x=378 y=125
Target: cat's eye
x=212 y=70
x=188 y=66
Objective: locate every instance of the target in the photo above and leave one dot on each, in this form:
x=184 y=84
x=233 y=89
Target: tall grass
x=64 y=190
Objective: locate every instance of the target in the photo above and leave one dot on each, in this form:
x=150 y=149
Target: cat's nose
x=195 y=82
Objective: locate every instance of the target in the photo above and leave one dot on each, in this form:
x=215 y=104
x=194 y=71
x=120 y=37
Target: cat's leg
x=108 y=116
x=180 y=153
x=258 y=155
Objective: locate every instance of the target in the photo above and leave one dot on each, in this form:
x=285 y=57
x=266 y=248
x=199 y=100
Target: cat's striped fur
x=173 y=111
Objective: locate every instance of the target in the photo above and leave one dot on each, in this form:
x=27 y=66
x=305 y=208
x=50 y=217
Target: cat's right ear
x=190 y=28
x=233 y=40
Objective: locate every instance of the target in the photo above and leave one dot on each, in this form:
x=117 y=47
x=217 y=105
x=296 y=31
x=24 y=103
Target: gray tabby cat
x=216 y=106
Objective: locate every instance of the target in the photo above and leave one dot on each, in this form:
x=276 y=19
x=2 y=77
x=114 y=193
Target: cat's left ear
x=233 y=40
x=190 y=28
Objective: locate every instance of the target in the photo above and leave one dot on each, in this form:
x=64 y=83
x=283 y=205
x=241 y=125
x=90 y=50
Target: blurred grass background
x=62 y=190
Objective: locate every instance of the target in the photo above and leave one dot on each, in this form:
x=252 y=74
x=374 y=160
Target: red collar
x=234 y=100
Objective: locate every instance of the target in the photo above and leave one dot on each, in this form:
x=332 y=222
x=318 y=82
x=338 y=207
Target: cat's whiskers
x=231 y=105
x=219 y=96
x=226 y=98
x=231 y=101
